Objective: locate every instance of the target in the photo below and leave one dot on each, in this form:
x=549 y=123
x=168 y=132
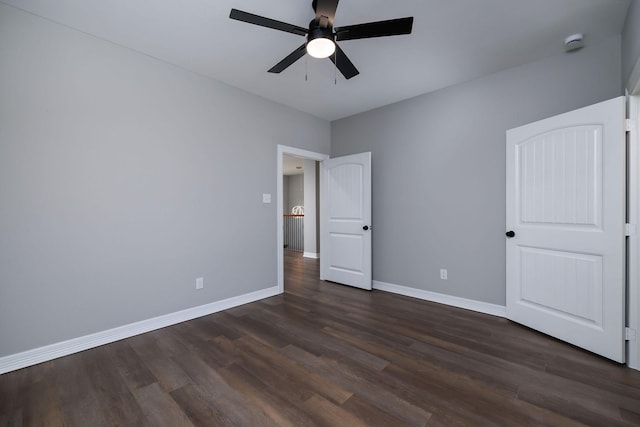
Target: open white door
x=566 y=227
x=345 y=220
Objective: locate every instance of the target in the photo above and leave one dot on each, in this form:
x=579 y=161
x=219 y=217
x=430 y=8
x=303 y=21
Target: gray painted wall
x=438 y=167
x=285 y=194
x=631 y=45
x=310 y=207
x=296 y=192
x=120 y=184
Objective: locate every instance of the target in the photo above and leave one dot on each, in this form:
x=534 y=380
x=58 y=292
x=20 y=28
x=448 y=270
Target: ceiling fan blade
x=343 y=63
x=392 y=27
x=325 y=8
x=290 y=59
x=250 y=18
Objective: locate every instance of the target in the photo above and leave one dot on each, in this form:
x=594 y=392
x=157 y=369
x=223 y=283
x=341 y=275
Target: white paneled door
x=345 y=225
x=566 y=227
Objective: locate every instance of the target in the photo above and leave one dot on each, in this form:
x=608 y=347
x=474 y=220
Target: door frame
x=633 y=241
x=281 y=151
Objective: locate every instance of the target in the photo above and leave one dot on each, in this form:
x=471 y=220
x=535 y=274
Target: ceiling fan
x=322 y=36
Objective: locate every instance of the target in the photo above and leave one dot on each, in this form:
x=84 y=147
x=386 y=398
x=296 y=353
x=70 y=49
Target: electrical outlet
x=443 y=274
x=200 y=283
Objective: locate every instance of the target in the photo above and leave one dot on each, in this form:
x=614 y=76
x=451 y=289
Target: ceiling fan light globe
x=321 y=47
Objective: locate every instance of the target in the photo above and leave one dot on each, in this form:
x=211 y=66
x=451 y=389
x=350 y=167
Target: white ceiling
x=452 y=41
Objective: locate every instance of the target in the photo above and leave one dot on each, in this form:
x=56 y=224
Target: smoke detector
x=574 y=42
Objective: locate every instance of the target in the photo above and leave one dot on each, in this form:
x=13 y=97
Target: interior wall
x=310 y=209
x=285 y=195
x=631 y=47
x=438 y=167
x=296 y=191
x=120 y=184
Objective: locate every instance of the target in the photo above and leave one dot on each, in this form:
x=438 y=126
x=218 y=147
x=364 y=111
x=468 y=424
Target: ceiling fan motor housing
x=320 y=40
x=317 y=31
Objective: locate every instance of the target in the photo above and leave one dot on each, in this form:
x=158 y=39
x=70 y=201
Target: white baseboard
x=311 y=255
x=65 y=348
x=468 y=304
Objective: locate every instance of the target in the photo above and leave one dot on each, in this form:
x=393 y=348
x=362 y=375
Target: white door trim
x=282 y=150
x=633 y=254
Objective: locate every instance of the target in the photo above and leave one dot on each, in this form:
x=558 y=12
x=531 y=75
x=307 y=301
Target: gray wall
x=296 y=192
x=438 y=167
x=122 y=179
x=631 y=45
x=310 y=207
x=285 y=194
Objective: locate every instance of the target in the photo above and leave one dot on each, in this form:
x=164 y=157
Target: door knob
x=510 y=234
x=365 y=228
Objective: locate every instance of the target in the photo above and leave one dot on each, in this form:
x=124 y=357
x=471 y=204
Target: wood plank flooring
x=327 y=355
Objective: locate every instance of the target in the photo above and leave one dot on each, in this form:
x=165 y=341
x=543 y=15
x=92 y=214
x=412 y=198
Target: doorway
x=300 y=220
x=283 y=151
x=300 y=206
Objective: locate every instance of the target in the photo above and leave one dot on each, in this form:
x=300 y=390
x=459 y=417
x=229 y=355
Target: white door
x=345 y=224
x=566 y=226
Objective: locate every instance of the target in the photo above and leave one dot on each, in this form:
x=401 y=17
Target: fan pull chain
x=306 y=68
x=335 y=69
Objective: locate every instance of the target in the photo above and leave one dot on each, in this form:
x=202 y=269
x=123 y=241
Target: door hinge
x=630 y=230
x=629 y=334
x=630 y=125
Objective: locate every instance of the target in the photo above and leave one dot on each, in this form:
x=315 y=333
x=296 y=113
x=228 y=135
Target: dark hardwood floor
x=328 y=355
